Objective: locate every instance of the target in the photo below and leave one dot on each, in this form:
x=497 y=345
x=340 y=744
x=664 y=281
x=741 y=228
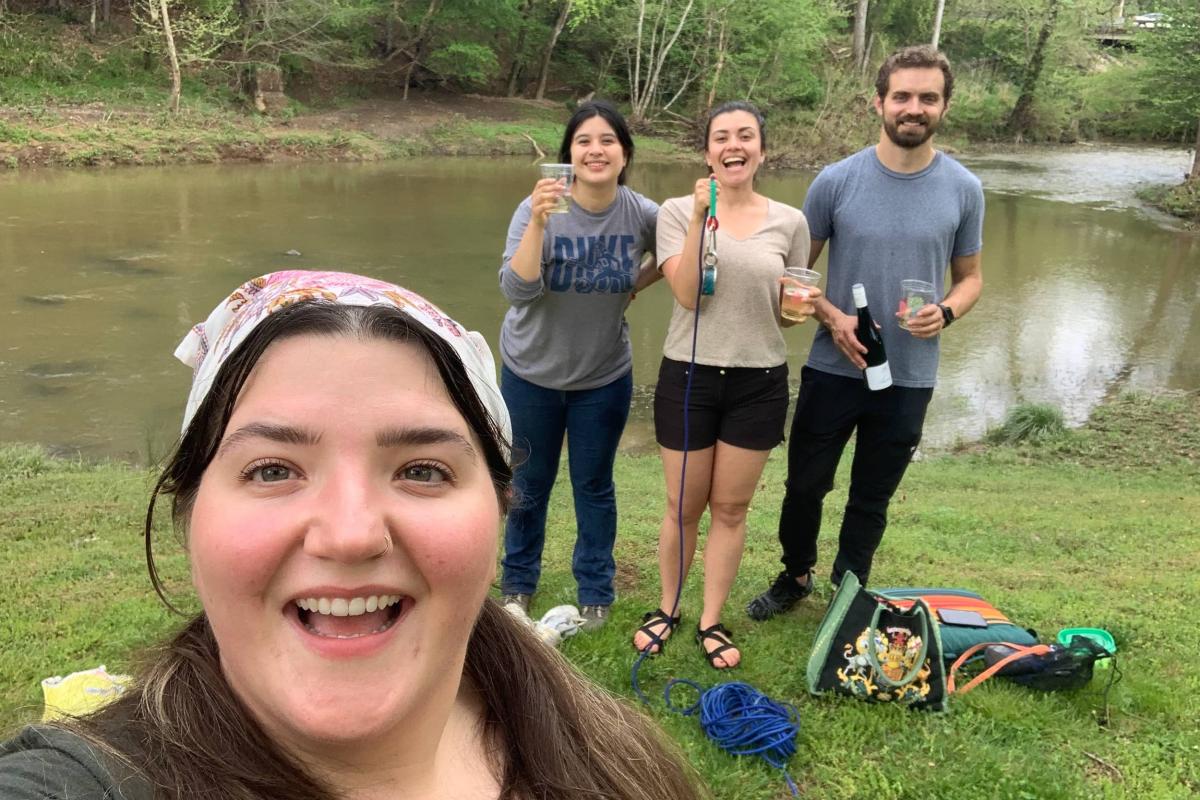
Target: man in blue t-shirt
x=895 y=211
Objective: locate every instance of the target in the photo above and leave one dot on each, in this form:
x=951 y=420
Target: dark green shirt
x=44 y=763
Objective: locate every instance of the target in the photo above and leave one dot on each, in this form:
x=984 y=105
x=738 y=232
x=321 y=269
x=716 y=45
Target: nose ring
x=388 y=544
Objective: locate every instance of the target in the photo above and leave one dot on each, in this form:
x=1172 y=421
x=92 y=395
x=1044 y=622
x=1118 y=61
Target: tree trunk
x=1020 y=119
x=106 y=11
x=416 y=45
x=859 y=42
x=665 y=45
x=937 y=22
x=635 y=81
x=390 y=41
x=408 y=77
x=518 y=63
x=92 y=20
x=558 y=26
x=1195 y=174
x=176 y=82
x=716 y=77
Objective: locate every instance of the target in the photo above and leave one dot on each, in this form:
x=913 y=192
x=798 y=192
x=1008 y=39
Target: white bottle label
x=878 y=377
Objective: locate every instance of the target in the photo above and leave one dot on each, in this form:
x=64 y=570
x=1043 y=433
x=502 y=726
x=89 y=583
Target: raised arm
x=526 y=262
x=681 y=271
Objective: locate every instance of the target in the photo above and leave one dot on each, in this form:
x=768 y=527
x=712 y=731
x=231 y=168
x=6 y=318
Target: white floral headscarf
x=208 y=344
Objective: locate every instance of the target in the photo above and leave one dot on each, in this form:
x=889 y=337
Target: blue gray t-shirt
x=567 y=330
x=882 y=227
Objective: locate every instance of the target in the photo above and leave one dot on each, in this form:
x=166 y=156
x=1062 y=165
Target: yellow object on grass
x=81 y=692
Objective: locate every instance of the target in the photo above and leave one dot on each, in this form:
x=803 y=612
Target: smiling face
x=342 y=542
x=734 y=148
x=914 y=105
x=596 y=153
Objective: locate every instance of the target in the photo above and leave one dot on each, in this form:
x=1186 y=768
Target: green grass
x=1097 y=528
x=471 y=137
x=1029 y=422
x=1181 y=201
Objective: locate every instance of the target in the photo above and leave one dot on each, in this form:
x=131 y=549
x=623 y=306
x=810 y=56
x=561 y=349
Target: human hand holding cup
x=562 y=175
x=914 y=295
x=797 y=290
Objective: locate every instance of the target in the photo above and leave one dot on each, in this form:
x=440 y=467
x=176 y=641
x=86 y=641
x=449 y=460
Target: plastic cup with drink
x=563 y=174
x=794 y=293
x=914 y=295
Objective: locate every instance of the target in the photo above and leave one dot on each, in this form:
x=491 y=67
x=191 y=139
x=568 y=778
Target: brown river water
x=1087 y=293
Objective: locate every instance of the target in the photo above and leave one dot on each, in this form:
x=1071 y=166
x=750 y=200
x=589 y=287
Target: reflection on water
x=1081 y=174
x=103 y=272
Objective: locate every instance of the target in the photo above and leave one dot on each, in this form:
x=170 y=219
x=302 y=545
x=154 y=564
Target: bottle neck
x=860 y=296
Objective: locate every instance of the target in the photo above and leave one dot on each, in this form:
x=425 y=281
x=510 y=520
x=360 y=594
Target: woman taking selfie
x=340 y=484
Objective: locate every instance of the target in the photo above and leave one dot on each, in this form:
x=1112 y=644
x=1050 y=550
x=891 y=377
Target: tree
x=518 y=53
x=655 y=43
x=1195 y=171
x=777 y=51
x=558 y=28
x=172 y=54
x=187 y=34
x=858 y=46
x=1020 y=119
x=937 y=22
x=1172 y=57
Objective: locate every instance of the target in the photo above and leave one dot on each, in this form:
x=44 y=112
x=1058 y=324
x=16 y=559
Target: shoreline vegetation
x=74 y=97
x=1097 y=526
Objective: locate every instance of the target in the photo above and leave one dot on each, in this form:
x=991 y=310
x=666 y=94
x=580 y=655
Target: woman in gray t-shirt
x=567 y=363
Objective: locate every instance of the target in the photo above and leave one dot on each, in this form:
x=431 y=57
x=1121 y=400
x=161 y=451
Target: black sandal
x=652 y=619
x=717 y=633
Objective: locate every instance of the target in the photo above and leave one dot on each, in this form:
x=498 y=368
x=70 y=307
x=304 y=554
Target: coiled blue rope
x=739 y=718
x=745 y=722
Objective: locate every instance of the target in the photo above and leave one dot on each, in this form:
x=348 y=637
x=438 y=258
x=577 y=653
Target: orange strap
x=1019 y=651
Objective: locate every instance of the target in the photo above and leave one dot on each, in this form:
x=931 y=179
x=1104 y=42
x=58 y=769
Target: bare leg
x=735 y=475
x=699 y=477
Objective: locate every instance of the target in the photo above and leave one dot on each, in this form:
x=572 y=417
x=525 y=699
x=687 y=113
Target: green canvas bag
x=869 y=648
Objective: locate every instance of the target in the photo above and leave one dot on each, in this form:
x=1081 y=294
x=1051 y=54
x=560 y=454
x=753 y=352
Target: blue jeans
x=593 y=420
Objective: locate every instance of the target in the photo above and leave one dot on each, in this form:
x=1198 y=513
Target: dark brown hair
x=182 y=731
x=608 y=112
x=918 y=56
x=737 y=105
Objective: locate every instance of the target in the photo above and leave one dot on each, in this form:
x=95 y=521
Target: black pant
x=828 y=410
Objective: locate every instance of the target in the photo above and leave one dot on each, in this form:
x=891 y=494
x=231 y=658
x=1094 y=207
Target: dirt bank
x=427 y=123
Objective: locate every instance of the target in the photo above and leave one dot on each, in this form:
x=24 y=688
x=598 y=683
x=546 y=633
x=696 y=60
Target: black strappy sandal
x=717 y=633
x=652 y=619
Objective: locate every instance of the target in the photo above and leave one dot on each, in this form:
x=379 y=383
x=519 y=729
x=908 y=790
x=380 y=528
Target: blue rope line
x=739 y=718
x=687 y=395
x=744 y=722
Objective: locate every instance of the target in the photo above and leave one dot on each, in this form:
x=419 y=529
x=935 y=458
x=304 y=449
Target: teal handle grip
x=712 y=197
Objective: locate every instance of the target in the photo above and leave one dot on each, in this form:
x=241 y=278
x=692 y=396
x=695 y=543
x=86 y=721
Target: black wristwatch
x=947 y=315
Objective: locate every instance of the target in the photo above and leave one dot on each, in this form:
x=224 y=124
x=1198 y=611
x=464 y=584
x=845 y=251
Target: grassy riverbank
x=1098 y=527
x=1182 y=201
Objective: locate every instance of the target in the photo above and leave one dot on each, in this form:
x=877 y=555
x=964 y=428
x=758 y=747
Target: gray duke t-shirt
x=567 y=330
x=882 y=227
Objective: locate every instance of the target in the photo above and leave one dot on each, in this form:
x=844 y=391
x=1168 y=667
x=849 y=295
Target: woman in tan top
x=738 y=394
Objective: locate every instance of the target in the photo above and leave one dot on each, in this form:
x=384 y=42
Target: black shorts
x=742 y=406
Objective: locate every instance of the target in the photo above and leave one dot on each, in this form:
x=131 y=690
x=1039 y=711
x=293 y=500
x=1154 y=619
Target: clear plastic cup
x=794 y=294
x=914 y=295
x=563 y=173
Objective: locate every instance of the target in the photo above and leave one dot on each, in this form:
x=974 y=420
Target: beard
x=910 y=138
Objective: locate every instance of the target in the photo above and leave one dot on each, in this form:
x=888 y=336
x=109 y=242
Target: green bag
x=871 y=649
